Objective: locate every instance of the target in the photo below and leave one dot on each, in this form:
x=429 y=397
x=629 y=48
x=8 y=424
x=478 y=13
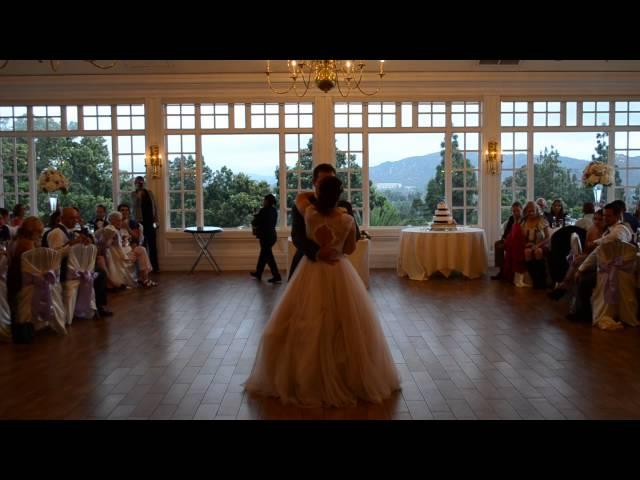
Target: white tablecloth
x=424 y=252
x=359 y=258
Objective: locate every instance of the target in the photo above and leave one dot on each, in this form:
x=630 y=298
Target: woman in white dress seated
x=120 y=270
x=323 y=345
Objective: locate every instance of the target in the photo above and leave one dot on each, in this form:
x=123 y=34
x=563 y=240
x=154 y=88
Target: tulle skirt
x=323 y=345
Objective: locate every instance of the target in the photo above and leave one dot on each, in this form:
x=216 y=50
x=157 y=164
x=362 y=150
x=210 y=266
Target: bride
x=323 y=345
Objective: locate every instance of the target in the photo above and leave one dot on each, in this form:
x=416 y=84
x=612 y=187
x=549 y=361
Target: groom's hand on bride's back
x=327 y=254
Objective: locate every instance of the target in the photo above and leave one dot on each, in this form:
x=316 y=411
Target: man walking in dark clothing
x=145 y=211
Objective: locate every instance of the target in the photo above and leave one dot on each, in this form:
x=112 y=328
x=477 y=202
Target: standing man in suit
x=145 y=211
x=304 y=245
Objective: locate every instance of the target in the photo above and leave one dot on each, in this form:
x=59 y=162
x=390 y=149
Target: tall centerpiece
x=597 y=174
x=52 y=181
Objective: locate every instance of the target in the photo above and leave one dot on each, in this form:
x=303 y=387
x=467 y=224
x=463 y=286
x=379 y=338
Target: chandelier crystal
x=346 y=75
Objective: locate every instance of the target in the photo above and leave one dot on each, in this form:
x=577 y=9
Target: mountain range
x=417 y=171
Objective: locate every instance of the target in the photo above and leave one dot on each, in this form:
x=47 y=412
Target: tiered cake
x=442 y=219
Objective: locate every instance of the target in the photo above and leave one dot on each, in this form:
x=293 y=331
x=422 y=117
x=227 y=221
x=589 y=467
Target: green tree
x=230 y=200
x=86 y=163
x=463 y=176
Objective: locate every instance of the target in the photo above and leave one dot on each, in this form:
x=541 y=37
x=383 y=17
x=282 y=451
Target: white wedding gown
x=323 y=345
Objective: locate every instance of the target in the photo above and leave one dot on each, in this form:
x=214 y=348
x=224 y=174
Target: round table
x=203 y=243
x=424 y=252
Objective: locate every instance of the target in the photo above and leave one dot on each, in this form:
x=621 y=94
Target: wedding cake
x=442 y=219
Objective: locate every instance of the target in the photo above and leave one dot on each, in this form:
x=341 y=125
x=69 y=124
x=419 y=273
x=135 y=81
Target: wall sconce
x=154 y=161
x=492 y=158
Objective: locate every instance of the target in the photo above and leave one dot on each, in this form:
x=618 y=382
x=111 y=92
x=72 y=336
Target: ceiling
x=137 y=67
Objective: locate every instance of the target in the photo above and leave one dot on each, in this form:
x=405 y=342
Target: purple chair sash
x=83 y=299
x=41 y=300
x=611 y=269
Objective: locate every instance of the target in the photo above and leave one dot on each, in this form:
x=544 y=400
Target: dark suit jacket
x=631 y=220
x=303 y=245
x=265 y=222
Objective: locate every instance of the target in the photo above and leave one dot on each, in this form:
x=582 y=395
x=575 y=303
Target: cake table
x=424 y=252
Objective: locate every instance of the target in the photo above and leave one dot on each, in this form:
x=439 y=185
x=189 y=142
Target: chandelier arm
x=283 y=92
x=102 y=67
x=340 y=89
x=366 y=93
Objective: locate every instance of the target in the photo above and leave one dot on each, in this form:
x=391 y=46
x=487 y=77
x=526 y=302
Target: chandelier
x=346 y=75
x=55 y=64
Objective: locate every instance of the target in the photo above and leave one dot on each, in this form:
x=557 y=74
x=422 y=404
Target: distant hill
x=417 y=171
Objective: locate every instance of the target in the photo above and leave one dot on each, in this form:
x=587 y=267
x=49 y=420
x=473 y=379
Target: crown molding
x=253 y=86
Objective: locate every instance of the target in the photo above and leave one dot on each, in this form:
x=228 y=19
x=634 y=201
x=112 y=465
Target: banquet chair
x=615 y=292
x=77 y=290
x=40 y=298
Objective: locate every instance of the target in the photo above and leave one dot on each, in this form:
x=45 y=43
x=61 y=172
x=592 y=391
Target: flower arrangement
x=52 y=180
x=597 y=173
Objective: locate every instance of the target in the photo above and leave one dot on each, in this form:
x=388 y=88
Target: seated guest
x=630 y=220
x=587 y=216
x=514 y=219
x=54 y=221
x=542 y=203
x=536 y=235
x=104 y=241
x=595 y=232
x=5 y=231
x=18 y=215
x=122 y=255
x=586 y=272
x=558 y=217
x=100 y=220
x=637 y=212
x=138 y=255
x=27 y=238
x=61 y=237
x=132 y=227
x=349 y=208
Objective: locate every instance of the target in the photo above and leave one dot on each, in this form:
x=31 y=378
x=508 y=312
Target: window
x=80 y=140
x=232 y=171
x=131 y=163
x=13 y=119
x=546 y=156
x=14 y=168
x=349 y=170
x=396 y=177
x=181 y=155
x=514 y=171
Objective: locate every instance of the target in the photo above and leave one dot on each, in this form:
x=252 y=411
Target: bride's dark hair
x=329 y=191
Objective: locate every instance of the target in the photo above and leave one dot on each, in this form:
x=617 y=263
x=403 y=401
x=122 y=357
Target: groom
x=304 y=245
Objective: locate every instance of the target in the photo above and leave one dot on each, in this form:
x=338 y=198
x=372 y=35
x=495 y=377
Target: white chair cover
x=80 y=302
x=5 y=313
x=615 y=292
x=576 y=245
x=41 y=263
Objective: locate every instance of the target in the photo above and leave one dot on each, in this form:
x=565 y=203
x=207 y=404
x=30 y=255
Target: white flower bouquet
x=597 y=173
x=52 y=180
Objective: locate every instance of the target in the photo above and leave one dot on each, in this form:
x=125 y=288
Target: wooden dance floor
x=465 y=349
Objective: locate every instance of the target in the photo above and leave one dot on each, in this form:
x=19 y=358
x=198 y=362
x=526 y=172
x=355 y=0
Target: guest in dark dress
x=27 y=238
x=264 y=224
